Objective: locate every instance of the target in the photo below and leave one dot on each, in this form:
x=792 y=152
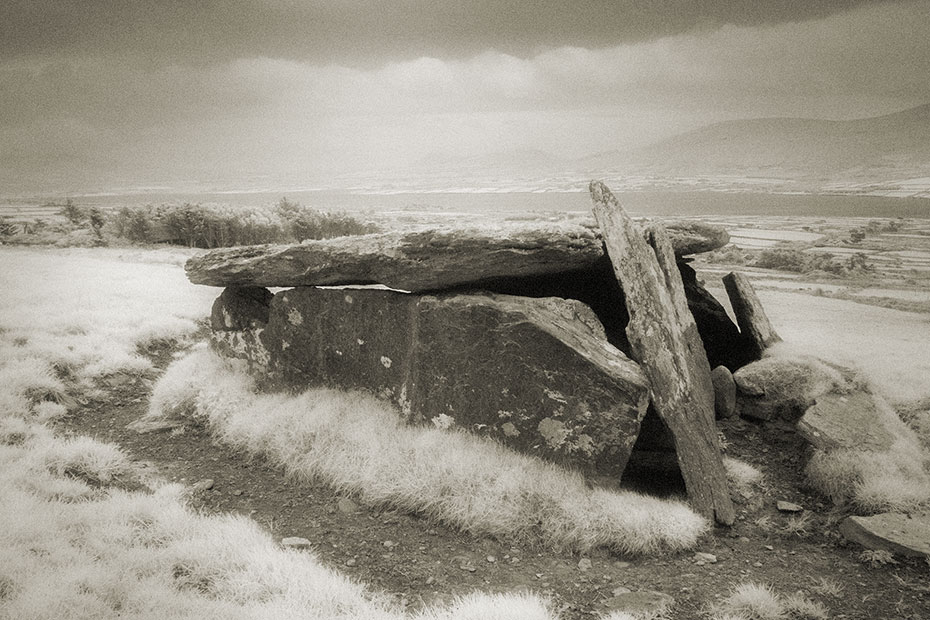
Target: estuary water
x=644 y=203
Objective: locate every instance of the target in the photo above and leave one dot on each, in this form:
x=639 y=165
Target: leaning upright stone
x=753 y=323
x=664 y=340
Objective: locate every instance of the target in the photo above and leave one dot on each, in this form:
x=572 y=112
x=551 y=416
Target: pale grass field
x=73 y=544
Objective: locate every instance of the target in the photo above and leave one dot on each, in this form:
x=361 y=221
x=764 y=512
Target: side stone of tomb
x=536 y=374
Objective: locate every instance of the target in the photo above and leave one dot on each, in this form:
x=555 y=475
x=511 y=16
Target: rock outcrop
x=724 y=392
x=536 y=374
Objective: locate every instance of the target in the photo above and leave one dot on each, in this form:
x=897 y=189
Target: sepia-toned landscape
x=465 y=310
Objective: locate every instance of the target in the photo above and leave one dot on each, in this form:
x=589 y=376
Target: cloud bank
x=89 y=120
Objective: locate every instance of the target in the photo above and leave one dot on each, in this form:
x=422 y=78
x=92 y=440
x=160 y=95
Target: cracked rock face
x=536 y=374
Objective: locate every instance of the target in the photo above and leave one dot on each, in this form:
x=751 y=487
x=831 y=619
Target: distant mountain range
x=871 y=154
x=878 y=148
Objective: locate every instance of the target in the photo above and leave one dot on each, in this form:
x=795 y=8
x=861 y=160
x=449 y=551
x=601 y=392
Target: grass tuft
x=751 y=601
x=361 y=446
x=742 y=476
x=799 y=606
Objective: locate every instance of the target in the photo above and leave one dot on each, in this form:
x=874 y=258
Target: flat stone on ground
x=845 y=421
x=902 y=534
x=784 y=506
x=643 y=602
x=295 y=542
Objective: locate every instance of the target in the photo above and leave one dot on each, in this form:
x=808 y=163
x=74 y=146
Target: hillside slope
x=879 y=148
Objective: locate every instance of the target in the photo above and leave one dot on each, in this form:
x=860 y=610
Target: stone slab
x=664 y=339
x=849 y=421
x=901 y=534
x=536 y=374
x=429 y=260
x=754 y=324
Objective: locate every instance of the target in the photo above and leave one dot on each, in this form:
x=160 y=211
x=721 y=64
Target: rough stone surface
x=536 y=374
x=753 y=323
x=722 y=340
x=642 y=603
x=428 y=260
x=415 y=261
x=783 y=387
x=902 y=534
x=202 y=485
x=665 y=341
x=693 y=237
x=724 y=392
x=295 y=542
x=845 y=421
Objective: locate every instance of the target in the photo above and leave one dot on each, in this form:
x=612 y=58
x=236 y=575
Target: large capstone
x=419 y=261
x=536 y=374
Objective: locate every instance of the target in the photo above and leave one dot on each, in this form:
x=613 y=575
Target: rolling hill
x=877 y=149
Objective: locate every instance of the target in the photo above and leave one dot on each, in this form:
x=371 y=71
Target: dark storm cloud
x=365 y=31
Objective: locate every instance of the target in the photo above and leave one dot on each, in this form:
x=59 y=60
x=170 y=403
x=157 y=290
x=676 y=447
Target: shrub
x=133 y=224
x=783 y=259
x=859 y=262
x=856 y=235
x=305 y=223
x=730 y=255
x=73 y=213
x=215 y=226
x=7 y=228
x=798 y=261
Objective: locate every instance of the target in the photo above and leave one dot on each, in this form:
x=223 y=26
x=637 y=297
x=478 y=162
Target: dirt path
x=418 y=562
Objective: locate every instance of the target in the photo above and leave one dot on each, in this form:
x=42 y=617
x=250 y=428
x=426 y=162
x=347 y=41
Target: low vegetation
x=75 y=541
x=753 y=601
x=191 y=225
x=793 y=258
x=361 y=445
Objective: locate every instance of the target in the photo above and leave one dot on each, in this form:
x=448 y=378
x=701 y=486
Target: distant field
x=28 y=212
x=468 y=200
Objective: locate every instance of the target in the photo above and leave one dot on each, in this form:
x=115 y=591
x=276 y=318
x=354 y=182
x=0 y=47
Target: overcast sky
x=95 y=94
